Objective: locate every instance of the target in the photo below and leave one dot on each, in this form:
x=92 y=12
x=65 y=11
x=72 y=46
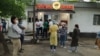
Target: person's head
x=40 y=19
x=76 y=26
x=49 y=19
x=37 y=20
x=45 y=20
x=63 y=25
x=54 y=22
x=14 y=20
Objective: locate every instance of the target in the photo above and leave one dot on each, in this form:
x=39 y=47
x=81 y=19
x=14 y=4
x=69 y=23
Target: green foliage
x=76 y=0
x=27 y=2
x=69 y=0
x=13 y=7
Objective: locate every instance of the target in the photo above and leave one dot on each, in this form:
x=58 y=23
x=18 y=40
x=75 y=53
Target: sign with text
x=49 y=6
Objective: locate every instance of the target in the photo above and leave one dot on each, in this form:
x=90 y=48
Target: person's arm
x=23 y=27
x=49 y=29
x=17 y=29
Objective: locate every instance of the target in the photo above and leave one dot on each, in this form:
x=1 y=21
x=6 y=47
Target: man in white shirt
x=50 y=22
x=37 y=26
x=41 y=26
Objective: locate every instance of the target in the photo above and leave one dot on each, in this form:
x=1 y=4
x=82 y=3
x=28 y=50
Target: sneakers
x=61 y=46
x=70 y=51
x=38 y=41
x=95 y=46
x=53 y=50
x=64 y=47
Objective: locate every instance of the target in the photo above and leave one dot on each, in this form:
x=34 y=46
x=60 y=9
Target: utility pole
x=34 y=17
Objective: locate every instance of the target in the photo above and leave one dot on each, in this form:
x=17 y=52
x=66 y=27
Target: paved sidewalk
x=86 y=48
x=44 y=50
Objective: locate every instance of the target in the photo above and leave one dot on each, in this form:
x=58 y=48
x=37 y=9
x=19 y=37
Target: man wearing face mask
x=14 y=34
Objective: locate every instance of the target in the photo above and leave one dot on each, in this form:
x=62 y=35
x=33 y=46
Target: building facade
x=87 y=15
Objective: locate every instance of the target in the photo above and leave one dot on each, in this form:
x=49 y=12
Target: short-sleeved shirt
x=37 y=24
x=46 y=25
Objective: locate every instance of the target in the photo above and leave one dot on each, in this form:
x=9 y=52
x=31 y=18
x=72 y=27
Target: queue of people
x=50 y=29
x=17 y=31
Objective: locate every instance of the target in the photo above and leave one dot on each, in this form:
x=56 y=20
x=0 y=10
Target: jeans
x=45 y=33
x=62 y=40
x=41 y=30
x=37 y=33
x=16 y=46
x=22 y=39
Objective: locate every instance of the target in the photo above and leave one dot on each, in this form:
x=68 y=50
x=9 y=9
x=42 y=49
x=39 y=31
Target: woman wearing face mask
x=14 y=34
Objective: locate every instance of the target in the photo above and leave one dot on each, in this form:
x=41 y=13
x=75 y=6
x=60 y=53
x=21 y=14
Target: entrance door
x=45 y=17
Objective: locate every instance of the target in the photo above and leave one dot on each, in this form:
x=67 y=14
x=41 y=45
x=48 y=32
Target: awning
x=52 y=10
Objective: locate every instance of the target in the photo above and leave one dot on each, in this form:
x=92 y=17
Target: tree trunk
x=4 y=43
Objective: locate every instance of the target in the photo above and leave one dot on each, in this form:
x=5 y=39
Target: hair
x=76 y=25
x=49 y=19
x=12 y=19
x=37 y=20
x=45 y=20
x=40 y=19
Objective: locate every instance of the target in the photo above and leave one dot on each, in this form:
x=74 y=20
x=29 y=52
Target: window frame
x=95 y=20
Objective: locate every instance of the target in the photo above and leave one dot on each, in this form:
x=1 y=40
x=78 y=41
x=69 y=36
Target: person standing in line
x=75 y=38
x=41 y=27
x=98 y=40
x=53 y=37
x=14 y=34
x=0 y=25
x=50 y=22
x=4 y=26
x=62 y=32
x=37 y=26
x=22 y=27
x=45 y=29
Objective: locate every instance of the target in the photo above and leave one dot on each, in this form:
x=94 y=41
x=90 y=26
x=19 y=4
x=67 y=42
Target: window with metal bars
x=96 y=19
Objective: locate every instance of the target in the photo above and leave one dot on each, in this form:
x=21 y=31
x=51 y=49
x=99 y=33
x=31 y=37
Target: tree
x=13 y=7
x=69 y=0
x=9 y=8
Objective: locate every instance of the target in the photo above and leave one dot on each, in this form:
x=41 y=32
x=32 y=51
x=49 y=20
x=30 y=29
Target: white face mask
x=17 y=21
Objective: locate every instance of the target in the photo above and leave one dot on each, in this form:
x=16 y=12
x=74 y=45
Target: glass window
x=96 y=20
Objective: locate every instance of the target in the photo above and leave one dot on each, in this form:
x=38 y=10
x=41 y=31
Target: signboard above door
x=50 y=6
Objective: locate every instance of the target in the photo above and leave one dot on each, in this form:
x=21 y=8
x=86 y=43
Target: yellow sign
x=56 y=5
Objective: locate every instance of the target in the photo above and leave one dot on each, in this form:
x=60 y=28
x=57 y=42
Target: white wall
x=84 y=17
x=29 y=25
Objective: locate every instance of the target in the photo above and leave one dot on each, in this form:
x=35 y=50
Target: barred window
x=96 y=20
